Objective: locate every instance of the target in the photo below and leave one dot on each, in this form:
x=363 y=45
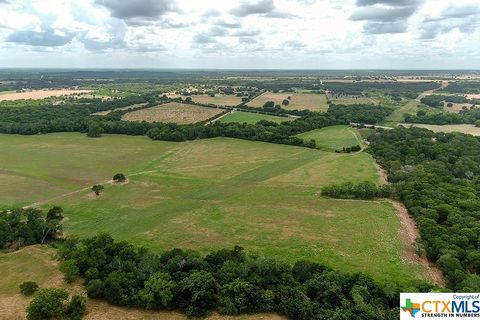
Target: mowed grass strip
x=173 y=112
x=251 y=118
x=333 y=138
x=298 y=101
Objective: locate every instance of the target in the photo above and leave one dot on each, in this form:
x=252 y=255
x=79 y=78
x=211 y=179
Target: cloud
x=458 y=12
x=228 y=24
x=382 y=14
x=393 y=3
x=385 y=16
x=261 y=7
x=139 y=9
x=463 y=17
x=247 y=33
x=381 y=28
x=112 y=36
x=266 y=8
x=45 y=38
x=210 y=35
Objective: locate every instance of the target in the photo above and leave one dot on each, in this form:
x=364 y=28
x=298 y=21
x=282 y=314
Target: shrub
x=98 y=188
x=47 y=304
x=28 y=288
x=119 y=177
x=76 y=308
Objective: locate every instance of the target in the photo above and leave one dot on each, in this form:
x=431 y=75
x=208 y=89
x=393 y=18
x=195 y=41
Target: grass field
x=333 y=138
x=463 y=128
x=350 y=100
x=39 y=94
x=298 y=101
x=28 y=167
x=251 y=118
x=221 y=100
x=36 y=263
x=209 y=194
x=173 y=112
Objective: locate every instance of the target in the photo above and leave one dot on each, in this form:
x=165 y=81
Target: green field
x=210 y=194
x=251 y=118
x=333 y=138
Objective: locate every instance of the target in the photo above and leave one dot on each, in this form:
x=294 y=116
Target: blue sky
x=279 y=34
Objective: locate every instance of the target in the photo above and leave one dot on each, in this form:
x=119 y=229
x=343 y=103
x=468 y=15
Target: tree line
x=78 y=118
x=228 y=281
x=437 y=177
x=366 y=190
x=20 y=227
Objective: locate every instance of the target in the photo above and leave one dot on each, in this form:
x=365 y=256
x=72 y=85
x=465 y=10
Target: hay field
x=457 y=107
x=462 y=128
x=173 y=112
x=39 y=94
x=220 y=100
x=298 y=101
x=209 y=194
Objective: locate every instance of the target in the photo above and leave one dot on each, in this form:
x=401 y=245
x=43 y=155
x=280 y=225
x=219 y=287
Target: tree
x=285 y=102
x=70 y=270
x=28 y=288
x=98 y=188
x=94 y=130
x=158 y=292
x=55 y=213
x=47 y=304
x=198 y=290
x=268 y=105
x=119 y=177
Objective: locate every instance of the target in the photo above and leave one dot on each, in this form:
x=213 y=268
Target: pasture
x=457 y=107
x=462 y=128
x=251 y=118
x=347 y=100
x=39 y=94
x=298 y=101
x=333 y=138
x=211 y=194
x=37 y=263
x=173 y=112
x=218 y=99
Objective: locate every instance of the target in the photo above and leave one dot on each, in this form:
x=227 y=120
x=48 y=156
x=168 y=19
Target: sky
x=245 y=34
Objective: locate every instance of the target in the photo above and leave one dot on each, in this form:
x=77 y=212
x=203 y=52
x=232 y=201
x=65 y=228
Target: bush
x=98 y=188
x=47 y=304
x=76 y=308
x=28 y=288
x=70 y=270
x=119 y=177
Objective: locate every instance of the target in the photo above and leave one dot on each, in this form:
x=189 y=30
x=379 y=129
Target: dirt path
x=382 y=175
x=359 y=140
x=69 y=194
x=409 y=233
x=218 y=118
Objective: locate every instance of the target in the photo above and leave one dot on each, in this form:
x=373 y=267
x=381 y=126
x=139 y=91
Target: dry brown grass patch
x=40 y=94
x=173 y=112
